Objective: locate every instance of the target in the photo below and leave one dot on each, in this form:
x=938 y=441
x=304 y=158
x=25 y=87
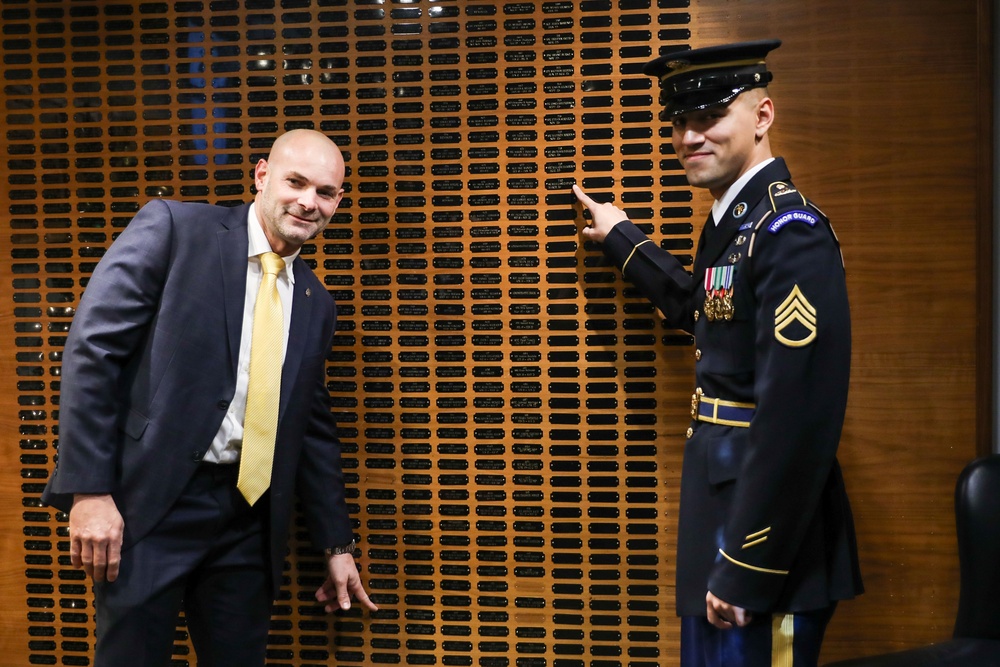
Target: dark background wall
x=512 y=414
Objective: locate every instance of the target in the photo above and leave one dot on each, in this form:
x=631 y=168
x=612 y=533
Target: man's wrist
x=344 y=549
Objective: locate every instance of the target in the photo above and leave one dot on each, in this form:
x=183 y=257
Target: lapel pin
x=308 y=291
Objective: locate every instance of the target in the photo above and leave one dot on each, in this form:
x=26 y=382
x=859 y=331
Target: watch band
x=345 y=549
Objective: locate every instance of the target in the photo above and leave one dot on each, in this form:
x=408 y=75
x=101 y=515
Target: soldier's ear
x=765 y=116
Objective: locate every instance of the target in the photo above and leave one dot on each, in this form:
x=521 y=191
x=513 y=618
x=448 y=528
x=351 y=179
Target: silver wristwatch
x=345 y=549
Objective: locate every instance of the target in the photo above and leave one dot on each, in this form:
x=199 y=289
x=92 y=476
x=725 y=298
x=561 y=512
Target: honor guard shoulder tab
x=788 y=206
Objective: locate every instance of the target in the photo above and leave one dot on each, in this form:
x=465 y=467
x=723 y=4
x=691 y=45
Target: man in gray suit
x=154 y=392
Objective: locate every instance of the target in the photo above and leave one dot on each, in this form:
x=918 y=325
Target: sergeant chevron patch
x=795 y=320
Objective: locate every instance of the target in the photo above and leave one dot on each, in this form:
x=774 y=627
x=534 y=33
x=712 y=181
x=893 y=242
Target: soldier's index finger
x=582 y=196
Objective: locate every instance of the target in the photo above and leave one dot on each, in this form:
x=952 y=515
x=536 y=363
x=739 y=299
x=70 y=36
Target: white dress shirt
x=229 y=439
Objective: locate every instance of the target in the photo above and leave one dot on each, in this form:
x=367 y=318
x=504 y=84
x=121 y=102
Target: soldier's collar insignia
x=740 y=209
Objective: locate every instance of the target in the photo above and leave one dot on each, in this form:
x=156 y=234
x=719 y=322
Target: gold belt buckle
x=696 y=402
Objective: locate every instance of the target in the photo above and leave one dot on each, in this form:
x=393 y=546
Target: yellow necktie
x=260 y=425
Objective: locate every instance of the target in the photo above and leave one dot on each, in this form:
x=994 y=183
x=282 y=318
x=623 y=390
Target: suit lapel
x=706 y=244
x=233 y=248
x=716 y=239
x=298 y=331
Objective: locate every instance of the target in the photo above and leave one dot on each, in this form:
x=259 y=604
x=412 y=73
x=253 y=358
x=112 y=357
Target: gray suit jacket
x=149 y=368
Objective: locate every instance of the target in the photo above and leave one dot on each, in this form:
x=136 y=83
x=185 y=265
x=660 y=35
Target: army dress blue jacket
x=765 y=522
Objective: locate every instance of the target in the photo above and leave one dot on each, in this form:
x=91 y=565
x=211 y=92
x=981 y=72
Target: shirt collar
x=259 y=244
x=722 y=204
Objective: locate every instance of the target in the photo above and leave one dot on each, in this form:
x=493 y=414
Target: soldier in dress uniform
x=765 y=544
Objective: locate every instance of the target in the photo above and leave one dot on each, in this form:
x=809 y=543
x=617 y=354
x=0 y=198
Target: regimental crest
x=795 y=320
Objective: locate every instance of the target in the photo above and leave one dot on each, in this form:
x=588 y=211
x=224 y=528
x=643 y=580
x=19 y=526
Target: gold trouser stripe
x=782 y=640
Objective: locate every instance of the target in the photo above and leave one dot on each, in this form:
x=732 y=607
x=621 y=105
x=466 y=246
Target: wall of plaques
x=511 y=412
x=499 y=392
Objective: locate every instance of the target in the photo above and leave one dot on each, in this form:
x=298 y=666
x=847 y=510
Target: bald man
x=155 y=381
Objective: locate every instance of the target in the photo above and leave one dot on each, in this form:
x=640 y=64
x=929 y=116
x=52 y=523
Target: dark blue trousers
x=208 y=557
x=791 y=640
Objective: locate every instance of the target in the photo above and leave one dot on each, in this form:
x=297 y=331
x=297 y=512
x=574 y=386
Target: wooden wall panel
x=512 y=414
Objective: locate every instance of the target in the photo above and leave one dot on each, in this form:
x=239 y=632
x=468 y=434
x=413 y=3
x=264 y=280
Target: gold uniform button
x=696 y=316
x=697 y=355
x=690 y=432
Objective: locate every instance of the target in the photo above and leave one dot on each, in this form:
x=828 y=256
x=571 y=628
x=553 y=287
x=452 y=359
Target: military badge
x=795 y=320
x=719 y=292
x=739 y=210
